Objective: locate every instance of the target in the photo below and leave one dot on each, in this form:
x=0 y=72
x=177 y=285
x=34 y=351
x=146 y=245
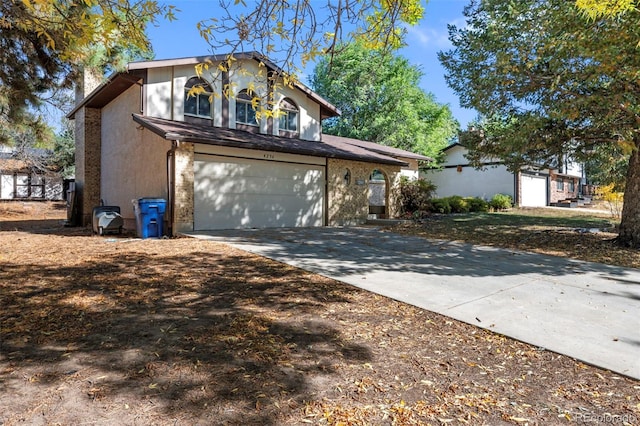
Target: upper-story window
x=245 y=114
x=197 y=105
x=288 y=115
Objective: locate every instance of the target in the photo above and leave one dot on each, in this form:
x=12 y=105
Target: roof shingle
x=189 y=132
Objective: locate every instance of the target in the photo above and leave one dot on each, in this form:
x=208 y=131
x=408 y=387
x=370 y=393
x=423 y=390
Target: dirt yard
x=116 y=330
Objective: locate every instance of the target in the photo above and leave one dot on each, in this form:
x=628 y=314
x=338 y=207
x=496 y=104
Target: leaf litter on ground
x=183 y=331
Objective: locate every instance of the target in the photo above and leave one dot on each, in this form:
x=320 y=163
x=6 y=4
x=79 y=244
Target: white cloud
x=433 y=38
x=460 y=22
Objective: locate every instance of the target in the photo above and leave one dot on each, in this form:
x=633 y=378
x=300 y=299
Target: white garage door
x=245 y=193
x=533 y=191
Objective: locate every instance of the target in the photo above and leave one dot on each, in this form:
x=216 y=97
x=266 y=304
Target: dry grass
x=125 y=331
x=584 y=235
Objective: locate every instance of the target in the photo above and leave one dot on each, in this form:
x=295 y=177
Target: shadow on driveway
x=586 y=310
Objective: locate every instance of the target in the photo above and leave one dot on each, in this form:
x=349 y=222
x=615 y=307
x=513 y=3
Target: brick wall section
x=88 y=145
x=564 y=194
x=349 y=204
x=88 y=79
x=394 y=176
x=413 y=163
x=184 y=188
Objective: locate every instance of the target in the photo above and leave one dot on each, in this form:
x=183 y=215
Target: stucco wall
x=133 y=159
x=309 y=113
x=469 y=182
x=348 y=203
x=459 y=178
x=159 y=94
x=165 y=95
x=455 y=156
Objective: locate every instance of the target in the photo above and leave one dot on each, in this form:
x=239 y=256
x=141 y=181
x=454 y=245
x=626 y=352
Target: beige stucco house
x=143 y=133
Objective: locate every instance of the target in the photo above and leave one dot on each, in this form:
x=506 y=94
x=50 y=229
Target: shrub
x=440 y=205
x=477 y=204
x=415 y=196
x=613 y=199
x=501 y=202
x=458 y=204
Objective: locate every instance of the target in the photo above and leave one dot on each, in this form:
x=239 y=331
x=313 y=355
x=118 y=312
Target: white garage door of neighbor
x=234 y=193
x=533 y=191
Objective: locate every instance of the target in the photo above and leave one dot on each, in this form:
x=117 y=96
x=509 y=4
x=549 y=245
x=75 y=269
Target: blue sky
x=180 y=38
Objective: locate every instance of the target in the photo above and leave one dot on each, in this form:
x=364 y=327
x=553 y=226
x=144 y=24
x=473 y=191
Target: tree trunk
x=629 y=235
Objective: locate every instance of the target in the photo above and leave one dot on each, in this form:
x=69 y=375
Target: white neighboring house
x=528 y=188
x=19 y=181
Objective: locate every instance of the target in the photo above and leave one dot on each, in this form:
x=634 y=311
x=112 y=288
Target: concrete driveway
x=587 y=311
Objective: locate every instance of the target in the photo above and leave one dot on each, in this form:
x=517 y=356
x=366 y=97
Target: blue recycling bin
x=150 y=217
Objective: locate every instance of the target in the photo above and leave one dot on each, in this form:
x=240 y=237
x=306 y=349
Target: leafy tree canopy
x=609 y=164
x=380 y=99
x=598 y=8
x=64 y=150
x=297 y=31
x=550 y=83
x=46 y=42
x=50 y=40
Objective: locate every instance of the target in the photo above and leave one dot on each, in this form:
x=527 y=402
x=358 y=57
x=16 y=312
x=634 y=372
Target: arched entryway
x=378 y=194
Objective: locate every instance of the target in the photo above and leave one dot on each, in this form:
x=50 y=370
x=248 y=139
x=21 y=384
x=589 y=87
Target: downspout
x=171 y=187
x=325 y=219
x=517 y=178
x=171 y=168
x=172 y=89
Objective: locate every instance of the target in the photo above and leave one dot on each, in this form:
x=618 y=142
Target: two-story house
x=144 y=133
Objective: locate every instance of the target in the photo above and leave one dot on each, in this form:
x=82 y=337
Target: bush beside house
x=416 y=201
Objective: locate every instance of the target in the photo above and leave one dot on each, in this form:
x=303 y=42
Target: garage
x=232 y=193
x=533 y=190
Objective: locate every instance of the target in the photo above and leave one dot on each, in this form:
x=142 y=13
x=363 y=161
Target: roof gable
x=117 y=83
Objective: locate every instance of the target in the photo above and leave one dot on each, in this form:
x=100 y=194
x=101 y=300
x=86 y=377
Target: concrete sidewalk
x=587 y=311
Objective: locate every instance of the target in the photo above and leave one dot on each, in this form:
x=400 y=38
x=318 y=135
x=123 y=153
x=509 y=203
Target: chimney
x=89 y=79
x=88 y=143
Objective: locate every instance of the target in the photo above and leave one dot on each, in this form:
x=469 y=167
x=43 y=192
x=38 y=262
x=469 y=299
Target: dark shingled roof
x=189 y=132
x=376 y=147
